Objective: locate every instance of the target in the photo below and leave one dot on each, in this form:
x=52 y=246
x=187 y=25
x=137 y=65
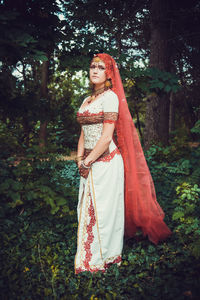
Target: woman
x=114 y=175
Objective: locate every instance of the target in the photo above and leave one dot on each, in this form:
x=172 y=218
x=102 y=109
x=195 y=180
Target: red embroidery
x=87 y=113
x=110 y=116
x=115 y=261
x=109 y=156
x=109 y=121
x=90 y=238
x=118 y=259
x=87 y=246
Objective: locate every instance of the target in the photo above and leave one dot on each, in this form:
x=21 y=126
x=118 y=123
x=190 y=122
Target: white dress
x=101 y=196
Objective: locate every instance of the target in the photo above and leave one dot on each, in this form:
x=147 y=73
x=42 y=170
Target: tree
x=157 y=111
x=31 y=31
x=174 y=45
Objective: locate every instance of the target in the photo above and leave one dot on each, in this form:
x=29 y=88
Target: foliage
x=38 y=192
x=69 y=33
x=161 y=80
x=170 y=167
x=196 y=128
x=26 y=182
x=28 y=30
x=154 y=80
x=186 y=214
x=39 y=239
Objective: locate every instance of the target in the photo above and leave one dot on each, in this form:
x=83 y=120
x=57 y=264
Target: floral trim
x=90 y=238
x=87 y=113
x=116 y=260
x=109 y=121
x=110 y=156
x=110 y=116
x=86 y=118
x=106 y=156
x=113 y=260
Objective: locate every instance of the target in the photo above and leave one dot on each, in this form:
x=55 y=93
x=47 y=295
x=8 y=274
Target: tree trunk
x=43 y=95
x=157 y=111
x=172 y=113
x=138 y=121
x=43 y=135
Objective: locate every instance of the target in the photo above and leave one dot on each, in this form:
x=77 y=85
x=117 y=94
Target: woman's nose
x=96 y=69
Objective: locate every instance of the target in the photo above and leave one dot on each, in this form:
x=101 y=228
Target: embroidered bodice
x=91 y=117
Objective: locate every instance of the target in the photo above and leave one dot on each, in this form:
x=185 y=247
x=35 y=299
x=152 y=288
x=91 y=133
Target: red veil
x=142 y=210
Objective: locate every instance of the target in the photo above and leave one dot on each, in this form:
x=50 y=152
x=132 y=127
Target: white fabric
x=101 y=202
x=108 y=102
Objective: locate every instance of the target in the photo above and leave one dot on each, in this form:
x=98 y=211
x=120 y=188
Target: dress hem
x=103 y=268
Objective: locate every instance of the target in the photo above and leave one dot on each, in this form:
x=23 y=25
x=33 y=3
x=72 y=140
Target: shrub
x=186 y=214
x=38 y=182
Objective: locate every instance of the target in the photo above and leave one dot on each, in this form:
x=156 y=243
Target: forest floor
x=72 y=156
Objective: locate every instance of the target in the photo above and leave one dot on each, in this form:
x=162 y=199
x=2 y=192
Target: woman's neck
x=98 y=86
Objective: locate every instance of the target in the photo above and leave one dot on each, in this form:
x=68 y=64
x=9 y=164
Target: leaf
x=167 y=88
x=108 y=297
x=160 y=85
x=61 y=201
x=65 y=209
x=178 y=215
x=54 y=210
x=40 y=57
x=4 y=186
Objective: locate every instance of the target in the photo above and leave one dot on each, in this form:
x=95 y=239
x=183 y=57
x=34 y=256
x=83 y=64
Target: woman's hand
x=83 y=169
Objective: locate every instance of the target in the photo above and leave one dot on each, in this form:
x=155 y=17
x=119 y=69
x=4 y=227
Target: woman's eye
x=101 y=68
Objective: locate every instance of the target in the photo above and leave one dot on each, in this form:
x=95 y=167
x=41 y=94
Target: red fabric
x=142 y=210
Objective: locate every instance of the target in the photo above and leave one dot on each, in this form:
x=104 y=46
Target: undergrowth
x=39 y=227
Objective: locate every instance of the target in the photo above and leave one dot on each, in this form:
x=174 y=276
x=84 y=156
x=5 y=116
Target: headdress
x=142 y=210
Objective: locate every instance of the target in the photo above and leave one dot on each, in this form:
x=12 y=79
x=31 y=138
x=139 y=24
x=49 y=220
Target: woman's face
x=98 y=72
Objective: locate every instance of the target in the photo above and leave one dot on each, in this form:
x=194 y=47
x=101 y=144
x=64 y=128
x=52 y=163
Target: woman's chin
x=96 y=81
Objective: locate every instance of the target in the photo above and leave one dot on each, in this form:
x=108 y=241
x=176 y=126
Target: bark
x=157 y=110
x=44 y=95
x=172 y=113
x=138 y=121
x=43 y=135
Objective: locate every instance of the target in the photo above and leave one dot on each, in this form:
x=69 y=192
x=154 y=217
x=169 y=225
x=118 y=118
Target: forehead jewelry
x=96 y=59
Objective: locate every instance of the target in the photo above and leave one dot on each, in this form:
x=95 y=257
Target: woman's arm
x=102 y=144
x=80 y=147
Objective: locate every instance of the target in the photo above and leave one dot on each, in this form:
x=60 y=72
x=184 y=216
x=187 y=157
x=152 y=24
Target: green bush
x=37 y=182
x=186 y=214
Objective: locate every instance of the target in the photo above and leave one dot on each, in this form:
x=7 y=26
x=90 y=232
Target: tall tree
x=157 y=112
x=44 y=95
